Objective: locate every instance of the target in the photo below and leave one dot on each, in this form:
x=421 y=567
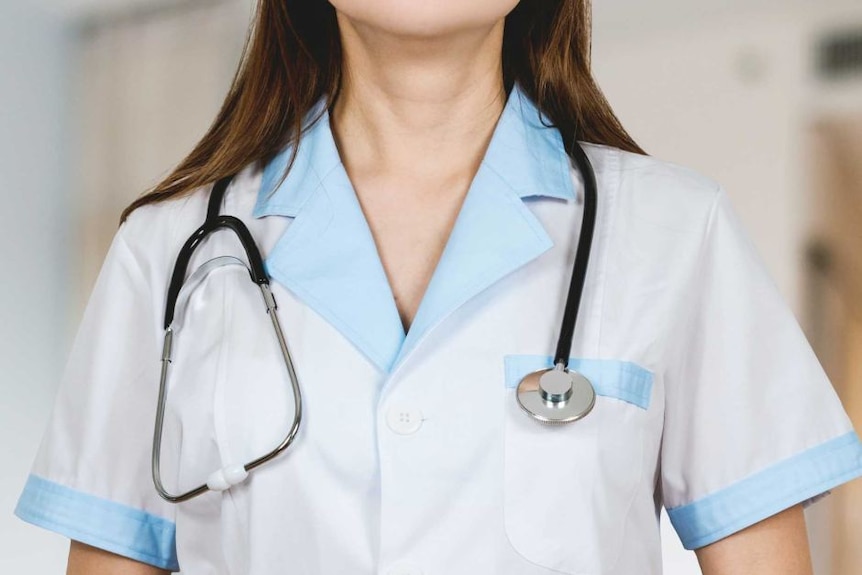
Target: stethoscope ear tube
x=234 y=473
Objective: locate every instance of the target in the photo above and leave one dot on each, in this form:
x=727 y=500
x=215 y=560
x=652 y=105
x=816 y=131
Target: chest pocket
x=568 y=488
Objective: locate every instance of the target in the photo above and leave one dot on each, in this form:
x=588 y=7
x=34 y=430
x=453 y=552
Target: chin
x=424 y=19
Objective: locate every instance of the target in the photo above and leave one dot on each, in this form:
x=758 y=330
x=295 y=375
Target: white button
x=404 y=420
x=404 y=569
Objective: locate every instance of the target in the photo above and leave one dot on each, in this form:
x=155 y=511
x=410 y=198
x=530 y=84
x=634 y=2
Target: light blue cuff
x=99 y=522
x=798 y=479
x=615 y=378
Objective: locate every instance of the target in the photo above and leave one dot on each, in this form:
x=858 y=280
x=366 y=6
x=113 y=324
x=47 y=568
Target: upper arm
x=87 y=560
x=775 y=546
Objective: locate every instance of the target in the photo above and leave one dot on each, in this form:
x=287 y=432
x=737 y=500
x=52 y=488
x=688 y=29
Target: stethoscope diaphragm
x=556 y=395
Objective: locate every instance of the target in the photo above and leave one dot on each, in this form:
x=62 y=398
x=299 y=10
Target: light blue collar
x=328 y=258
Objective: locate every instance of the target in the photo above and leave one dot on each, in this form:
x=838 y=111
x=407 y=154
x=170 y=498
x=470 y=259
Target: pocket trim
x=619 y=379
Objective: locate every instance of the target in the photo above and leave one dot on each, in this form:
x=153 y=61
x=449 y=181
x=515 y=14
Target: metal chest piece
x=556 y=395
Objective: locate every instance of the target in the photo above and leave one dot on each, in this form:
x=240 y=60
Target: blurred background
x=100 y=98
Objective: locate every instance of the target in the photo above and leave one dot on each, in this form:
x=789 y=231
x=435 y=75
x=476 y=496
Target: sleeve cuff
x=105 y=524
x=803 y=478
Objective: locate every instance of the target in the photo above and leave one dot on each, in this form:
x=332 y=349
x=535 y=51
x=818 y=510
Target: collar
x=527 y=155
x=328 y=259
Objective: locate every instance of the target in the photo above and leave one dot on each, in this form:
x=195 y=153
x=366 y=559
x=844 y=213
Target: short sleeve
x=91 y=479
x=752 y=424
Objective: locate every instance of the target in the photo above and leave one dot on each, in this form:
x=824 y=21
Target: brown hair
x=292 y=58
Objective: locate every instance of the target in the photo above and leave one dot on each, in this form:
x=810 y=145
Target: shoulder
x=653 y=191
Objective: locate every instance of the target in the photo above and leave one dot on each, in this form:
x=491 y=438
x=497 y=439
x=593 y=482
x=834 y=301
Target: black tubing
x=213 y=223
x=582 y=258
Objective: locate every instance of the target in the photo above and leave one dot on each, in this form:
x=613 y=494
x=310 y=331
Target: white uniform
x=413 y=457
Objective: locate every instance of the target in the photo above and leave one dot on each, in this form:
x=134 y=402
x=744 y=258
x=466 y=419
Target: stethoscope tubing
x=213 y=222
x=233 y=474
x=582 y=257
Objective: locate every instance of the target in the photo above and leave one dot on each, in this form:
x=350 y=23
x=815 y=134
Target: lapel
x=327 y=256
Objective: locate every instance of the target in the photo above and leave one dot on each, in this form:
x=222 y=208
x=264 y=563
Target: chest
x=413 y=462
x=415 y=459
x=410 y=222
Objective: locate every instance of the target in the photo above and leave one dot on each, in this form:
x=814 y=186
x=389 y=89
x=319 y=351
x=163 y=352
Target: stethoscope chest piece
x=556 y=395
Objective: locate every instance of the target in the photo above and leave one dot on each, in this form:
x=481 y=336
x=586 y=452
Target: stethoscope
x=556 y=395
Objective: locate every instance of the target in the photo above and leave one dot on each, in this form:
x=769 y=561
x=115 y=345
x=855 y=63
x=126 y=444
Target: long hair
x=292 y=58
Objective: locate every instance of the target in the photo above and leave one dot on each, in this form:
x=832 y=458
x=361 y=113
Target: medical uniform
x=413 y=456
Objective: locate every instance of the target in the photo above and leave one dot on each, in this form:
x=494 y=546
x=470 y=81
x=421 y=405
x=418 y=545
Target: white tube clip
x=226 y=477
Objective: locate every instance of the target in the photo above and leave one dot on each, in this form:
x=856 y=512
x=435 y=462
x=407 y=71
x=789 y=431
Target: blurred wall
x=149 y=84
x=34 y=49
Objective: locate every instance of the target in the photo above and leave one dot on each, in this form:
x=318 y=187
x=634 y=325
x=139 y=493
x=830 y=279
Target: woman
x=407 y=171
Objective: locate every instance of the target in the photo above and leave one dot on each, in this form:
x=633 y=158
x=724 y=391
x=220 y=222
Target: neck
x=422 y=107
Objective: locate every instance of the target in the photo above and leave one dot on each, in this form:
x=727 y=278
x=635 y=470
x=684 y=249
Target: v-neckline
x=329 y=260
x=405 y=329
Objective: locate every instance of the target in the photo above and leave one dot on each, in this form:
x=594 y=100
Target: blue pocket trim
x=105 y=524
x=798 y=479
x=622 y=380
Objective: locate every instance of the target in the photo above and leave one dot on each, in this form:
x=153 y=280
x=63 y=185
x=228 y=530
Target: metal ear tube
x=179 y=292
